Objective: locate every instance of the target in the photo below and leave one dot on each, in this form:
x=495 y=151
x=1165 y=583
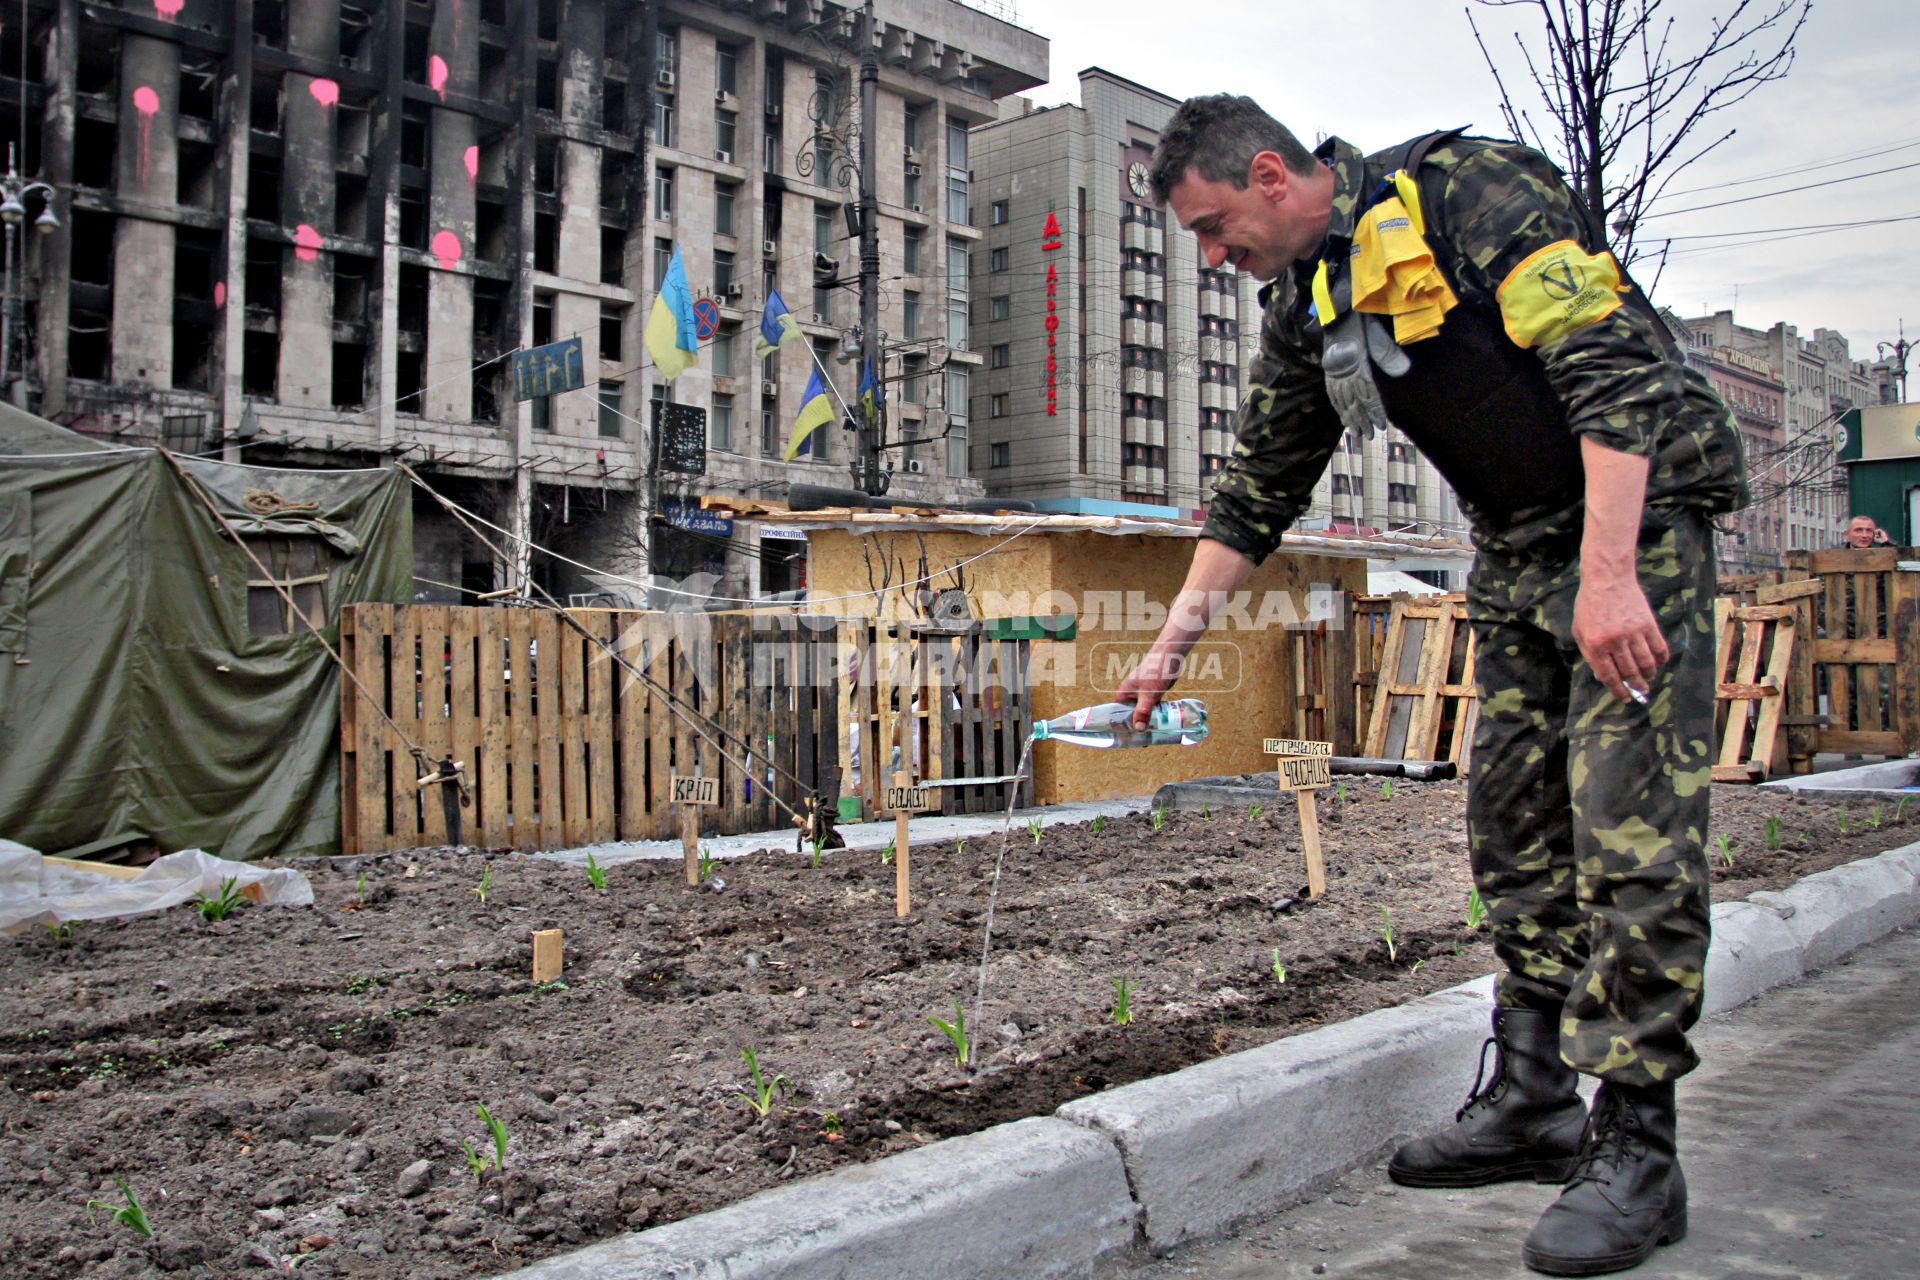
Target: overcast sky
x=1379 y=71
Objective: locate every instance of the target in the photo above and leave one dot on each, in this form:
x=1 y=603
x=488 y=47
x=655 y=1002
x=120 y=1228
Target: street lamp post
x=14 y=194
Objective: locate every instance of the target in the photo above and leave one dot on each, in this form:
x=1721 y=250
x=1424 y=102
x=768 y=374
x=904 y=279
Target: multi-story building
x=1116 y=357
x=1820 y=381
x=1757 y=537
x=312 y=232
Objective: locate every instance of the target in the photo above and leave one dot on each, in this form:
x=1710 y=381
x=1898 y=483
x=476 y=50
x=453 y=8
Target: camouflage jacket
x=1489 y=207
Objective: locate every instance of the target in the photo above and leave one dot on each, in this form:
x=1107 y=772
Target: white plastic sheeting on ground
x=33 y=892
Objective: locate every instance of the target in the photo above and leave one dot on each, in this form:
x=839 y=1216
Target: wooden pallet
x=1424 y=704
x=1750 y=688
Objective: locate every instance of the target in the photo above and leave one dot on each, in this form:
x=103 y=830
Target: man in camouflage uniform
x=1589 y=458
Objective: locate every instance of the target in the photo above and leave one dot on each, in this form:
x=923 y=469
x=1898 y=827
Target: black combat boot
x=1627 y=1194
x=1525 y=1123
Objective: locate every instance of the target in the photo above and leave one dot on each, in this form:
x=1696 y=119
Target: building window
x=726 y=68
x=911 y=194
x=822 y=305
x=912 y=367
x=663 y=120
x=769 y=434
x=1342 y=484
x=722 y=272
x=610 y=419
x=1002 y=454
x=613 y=323
x=997 y=259
x=823 y=229
x=726 y=128
x=957 y=197
x=720 y=422
x=910 y=251
x=297 y=565
x=663 y=194
x=910 y=315
x=725 y=195
x=1401 y=493
x=998 y=214
x=1000 y=307
x=910 y=125
x=998 y=404
x=662 y=259
x=722 y=352
x=957 y=320
x=1002 y=354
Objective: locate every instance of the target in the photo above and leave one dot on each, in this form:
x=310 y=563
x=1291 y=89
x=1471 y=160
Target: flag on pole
x=871 y=395
x=670 y=336
x=777 y=325
x=816 y=410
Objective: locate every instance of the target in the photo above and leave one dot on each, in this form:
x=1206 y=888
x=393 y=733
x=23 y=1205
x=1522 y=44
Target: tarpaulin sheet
x=137 y=698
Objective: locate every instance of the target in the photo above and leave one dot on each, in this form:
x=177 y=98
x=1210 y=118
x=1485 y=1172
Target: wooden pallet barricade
x=1424 y=703
x=1866 y=648
x=1753 y=663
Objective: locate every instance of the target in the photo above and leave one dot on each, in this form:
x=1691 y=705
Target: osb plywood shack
x=1115 y=578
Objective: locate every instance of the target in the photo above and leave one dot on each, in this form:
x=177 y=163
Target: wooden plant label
x=908 y=799
x=696 y=790
x=1295 y=747
x=1305 y=773
x=548 y=954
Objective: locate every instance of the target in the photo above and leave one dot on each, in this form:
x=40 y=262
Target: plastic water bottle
x=1182 y=722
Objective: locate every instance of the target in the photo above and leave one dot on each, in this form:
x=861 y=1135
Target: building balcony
x=1143 y=382
x=1137 y=331
x=1218 y=395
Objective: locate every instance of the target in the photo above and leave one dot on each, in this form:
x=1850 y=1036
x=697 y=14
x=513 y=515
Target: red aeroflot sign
x=1050 y=240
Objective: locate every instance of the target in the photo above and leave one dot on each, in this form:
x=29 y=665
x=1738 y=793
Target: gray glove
x=1349 y=374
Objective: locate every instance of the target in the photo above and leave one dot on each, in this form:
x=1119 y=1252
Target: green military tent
x=152 y=680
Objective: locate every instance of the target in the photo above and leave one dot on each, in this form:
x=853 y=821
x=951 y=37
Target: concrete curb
x=1191 y=1154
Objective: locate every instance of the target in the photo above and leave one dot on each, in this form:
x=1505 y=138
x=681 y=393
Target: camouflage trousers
x=1587 y=814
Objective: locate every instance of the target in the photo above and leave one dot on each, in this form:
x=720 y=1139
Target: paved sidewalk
x=1800 y=1137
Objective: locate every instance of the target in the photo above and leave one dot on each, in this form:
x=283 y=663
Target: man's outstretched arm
x=1216 y=572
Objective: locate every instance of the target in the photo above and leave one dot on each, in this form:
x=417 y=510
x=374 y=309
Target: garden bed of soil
x=292 y=1088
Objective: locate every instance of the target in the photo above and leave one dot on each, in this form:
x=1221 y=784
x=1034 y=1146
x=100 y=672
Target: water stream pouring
x=1110 y=724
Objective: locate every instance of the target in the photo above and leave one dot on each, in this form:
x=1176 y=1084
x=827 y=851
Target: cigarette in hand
x=1638 y=695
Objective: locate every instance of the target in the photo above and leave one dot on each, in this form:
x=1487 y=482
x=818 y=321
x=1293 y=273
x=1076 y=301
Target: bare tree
x=1623 y=104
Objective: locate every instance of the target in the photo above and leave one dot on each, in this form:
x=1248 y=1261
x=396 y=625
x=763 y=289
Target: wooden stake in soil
x=689 y=796
x=904 y=799
x=548 y=955
x=1304 y=767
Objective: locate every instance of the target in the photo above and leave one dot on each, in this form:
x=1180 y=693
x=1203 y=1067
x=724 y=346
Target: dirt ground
x=290 y=1089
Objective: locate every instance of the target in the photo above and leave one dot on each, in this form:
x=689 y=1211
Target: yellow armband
x=1556 y=290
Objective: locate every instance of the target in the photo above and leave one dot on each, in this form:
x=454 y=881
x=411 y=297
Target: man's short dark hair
x=1218 y=136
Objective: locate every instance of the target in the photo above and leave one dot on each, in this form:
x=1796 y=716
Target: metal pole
x=871 y=427
x=6 y=297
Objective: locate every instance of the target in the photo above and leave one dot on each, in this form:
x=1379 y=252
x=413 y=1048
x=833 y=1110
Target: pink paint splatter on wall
x=325 y=92
x=169 y=8
x=219 y=295
x=437 y=75
x=446 y=247
x=306 y=243
x=147 y=103
x=473 y=164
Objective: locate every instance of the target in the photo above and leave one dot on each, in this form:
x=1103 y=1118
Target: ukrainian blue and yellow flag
x=777 y=326
x=816 y=410
x=670 y=335
x=871 y=396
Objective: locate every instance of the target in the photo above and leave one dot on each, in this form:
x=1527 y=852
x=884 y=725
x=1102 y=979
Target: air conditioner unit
x=736 y=290
x=768 y=390
x=913 y=170
x=915 y=466
x=773 y=111
x=915 y=208
x=769 y=248
x=724 y=157
x=820 y=319
x=664 y=76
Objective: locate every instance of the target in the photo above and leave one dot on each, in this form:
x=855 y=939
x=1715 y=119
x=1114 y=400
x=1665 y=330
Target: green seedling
x=819 y=848
x=1416 y=967
x=1033 y=829
x=955 y=1031
x=1900 y=808
x=1386 y=789
x=830 y=1123
x=886 y=854
x=360 y=886
x=499 y=1132
x=1842 y=821
x=1122 y=1000
x=1158 y=817
x=1773 y=833
x=486 y=884
x=1206 y=811
x=61 y=932
x=706 y=864
x=1386 y=932
x=761 y=1099
x=221 y=907
x=359 y=986
x=959 y=848
x=129 y=1215
x=1253 y=812
x=1476 y=909
x=1724 y=843
x=596 y=874
x=1873 y=818
x=1340 y=789
x=1099 y=823
x=1279 y=970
